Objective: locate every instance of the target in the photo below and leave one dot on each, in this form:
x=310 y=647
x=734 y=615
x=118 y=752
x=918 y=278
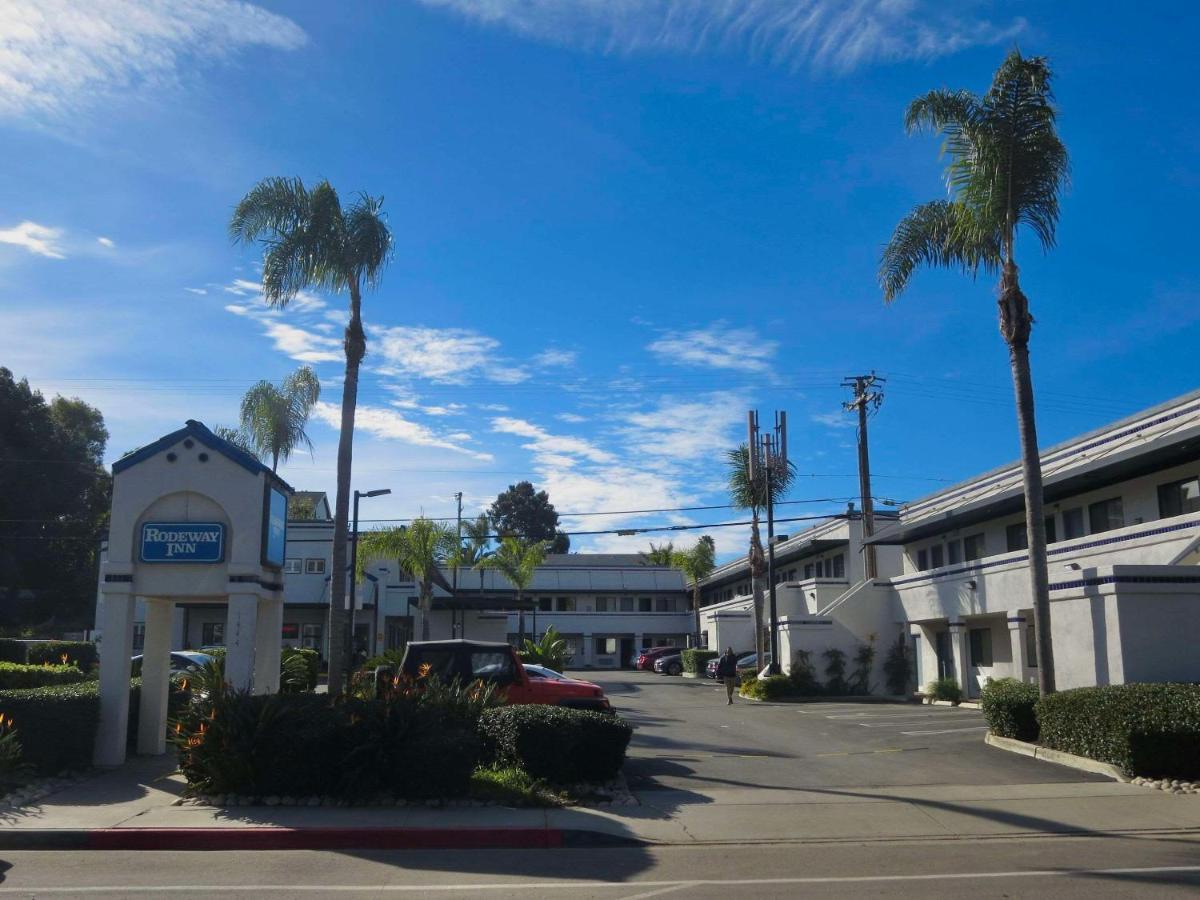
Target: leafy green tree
x=421 y=548
x=517 y=561
x=697 y=563
x=311 y=241
x=1007 y=169
x=275 y=418
x=659 y=554
x=751 y=495
x=528 y=514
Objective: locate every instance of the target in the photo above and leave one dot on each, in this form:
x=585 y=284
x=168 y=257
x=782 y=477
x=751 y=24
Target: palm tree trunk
x=426 y=610
x=1016 y=324
x=274 y=461
x=355 y=345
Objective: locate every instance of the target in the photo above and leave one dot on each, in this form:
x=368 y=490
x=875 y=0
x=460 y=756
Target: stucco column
x=116 y=648
x=638 y=643
x=588 y=658
x=156 y=678
x=1018 y=633
x=958 y=647
x=241 y=627
x=268 y=645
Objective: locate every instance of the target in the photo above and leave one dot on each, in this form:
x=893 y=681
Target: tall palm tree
x=1007 y=168
x=238 y=437
x=697 y=563
x=659 y=554
x=420 y=549
x=752 y=496
x=311 y=241
x=476 y=545
x=274 y=418
x=517 y=561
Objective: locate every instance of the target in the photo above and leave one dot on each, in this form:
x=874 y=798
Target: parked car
x=748 y=665
x=710 y=668
x=647 y=657
x=182 y=662
x=536 y=671
x=498 y=664
x=669 y=665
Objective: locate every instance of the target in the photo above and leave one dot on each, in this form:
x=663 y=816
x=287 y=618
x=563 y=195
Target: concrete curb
x=1058 y=757
x=274 y=838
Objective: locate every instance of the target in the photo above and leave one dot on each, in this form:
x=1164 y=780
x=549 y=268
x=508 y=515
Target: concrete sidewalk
x=139 y=805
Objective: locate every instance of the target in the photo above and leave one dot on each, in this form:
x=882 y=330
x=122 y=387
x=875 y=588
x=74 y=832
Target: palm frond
x=273 y=206
x=275 y=418
x=368 y=240
x=745 y=494
x=517 y=560
x=938 y=234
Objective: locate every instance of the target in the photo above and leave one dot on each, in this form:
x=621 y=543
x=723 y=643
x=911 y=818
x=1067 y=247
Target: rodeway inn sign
x=183 y=542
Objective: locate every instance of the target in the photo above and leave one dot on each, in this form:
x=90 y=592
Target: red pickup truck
x=497 y=664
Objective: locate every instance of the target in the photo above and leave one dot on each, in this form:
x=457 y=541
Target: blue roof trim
x=199 y=432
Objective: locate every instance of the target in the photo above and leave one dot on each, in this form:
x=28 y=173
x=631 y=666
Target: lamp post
x=354 y=567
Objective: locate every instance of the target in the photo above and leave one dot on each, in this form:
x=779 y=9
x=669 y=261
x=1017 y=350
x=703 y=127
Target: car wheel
x=676 y=670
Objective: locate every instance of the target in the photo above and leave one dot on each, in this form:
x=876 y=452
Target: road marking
x=869 y=752
x=948 y=730
x=377 y=888
x=907 y=724
x=895 y=715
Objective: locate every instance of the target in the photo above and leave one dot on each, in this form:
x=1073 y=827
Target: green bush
x=944 y=689
x=864 y=661
x=12 y=650
x=550 y=651
x=511 y=786
x=82 y=654
x=561 y=745
x=773 y=687
x=1008 y=708
x=299 y=669
x=694 y=659
x=57 y=724
x=835 y=672
x=14 y=676
x=12 y=767
x=897 y=668
x=803 y=676
x=1147 y=729
x=391 y=658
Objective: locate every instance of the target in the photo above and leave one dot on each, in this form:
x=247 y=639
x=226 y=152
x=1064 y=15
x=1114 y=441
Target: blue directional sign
x=275 y=528
x=183 y=542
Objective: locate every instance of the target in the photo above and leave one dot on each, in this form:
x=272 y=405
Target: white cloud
x=444 y=355
x=201 y=292
x=300 y=344
x=573 y=418
x=243 y=287
x=684 y=430
x=39 y=239
x=717 y=346
x=106 y=242
x=391 y=425
x=57 y=56
x=834 y=420
x=555 y=358
x=825 y=34
x=563 y=447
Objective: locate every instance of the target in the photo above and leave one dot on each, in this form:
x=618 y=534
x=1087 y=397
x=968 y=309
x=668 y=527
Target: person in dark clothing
x=727 y=672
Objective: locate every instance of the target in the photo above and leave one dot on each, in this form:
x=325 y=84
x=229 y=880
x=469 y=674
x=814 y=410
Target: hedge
x=944 y=689
x=1147 y=729
x=773 y=687
x=14 y=676
x=79 y=653
x=55 y=725
x=560 y=745
x=1009 y=708
x=311 y=667
x=695 y=659
x=12 y=650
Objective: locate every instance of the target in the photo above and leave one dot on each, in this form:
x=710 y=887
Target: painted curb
x=1058 y=757
x=274 y=838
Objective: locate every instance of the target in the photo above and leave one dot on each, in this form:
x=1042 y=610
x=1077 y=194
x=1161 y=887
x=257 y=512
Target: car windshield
x=542 y=672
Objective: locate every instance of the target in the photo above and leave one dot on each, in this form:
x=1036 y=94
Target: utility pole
x=865 y=395
x=457 y=553
x=768 y=458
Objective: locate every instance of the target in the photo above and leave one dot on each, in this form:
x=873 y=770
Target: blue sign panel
x=183 y=542
x=275 y=528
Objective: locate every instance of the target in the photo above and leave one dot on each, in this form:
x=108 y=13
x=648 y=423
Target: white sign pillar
x=241 y=633
x=116 y=648
x=268 y=647
x=156 y=677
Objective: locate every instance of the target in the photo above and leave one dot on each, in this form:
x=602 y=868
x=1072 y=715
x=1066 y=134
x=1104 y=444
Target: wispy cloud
x=57 y=56
x=572 y=418
x=717 y=346
x=106 y=242
x=41 y=240
x=555 y=358
x=389 y=424
x=559 y=448
x=444 y=355
x=685 y=430
x=834 y=420
x=837 y=35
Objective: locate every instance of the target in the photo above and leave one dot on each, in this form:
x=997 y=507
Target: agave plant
x=550 y=651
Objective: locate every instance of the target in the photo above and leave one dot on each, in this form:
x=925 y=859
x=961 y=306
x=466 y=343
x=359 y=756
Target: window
x=922 y=560
x=981 y=646
x=839 y=566
x=566 y=604
x=212 y=634
x=606 y=646
x=973 y=547
x=1072 y=523
x=314 y=566
x=663 y=604
x=936 y=556
x=1030 y=646
x=626 y=605
x=953 y=552
x=139 y=636
x=1178 y=497
x=291 y=631
x=602 y=604
x=1051 y=534
x=493 y=667
x=808 y=570
x=1016 y=536
x=292 y=566
x=645 y=604
x=546 y=604
x=1105 y=515
x=310 y=636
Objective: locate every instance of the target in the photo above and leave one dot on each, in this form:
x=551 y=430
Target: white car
x=182 y=662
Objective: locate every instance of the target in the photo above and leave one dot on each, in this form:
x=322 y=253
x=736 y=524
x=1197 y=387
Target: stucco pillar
x=638 y=642
x=1018 y=634
x=116 y=648
x=268 y=645
x=958 y=647
x=241 y=627
x=156 y=678
x=588 y=646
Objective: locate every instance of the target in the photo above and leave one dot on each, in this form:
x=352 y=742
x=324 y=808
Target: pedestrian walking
x=727 y=672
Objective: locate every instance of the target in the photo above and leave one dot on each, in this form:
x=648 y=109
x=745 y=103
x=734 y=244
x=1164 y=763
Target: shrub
x=1008 y=708
x=897 y=668
x=57 y=724
x=299 y=669
x=78 y=653
x=12 y=650
x=694 y=659
x=944 y=689
x=11 y=765
x=803 y=676
x=864 y=661
x=551 y=651
x=511 y=787
x=773 y=687
x=1146 y=729
x=561 y=745
x=14 y=676
x=835 y=671
x=391 y=658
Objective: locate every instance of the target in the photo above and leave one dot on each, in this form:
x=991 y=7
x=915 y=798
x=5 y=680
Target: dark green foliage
x=12 y=650
x=1147 y=729
x=803 y=676
x=299 y=670
x=864 y=660
x=1009 y=708
x=529 y=515
x=695 y=660
x=12 y=767
x=944 y=689
x=561 y=745
x=14 y=676
x=392 y=658
x=550 y=651
x=57 y=725
x=511 y=786
x=79 y=653
x=773 y=687
x=897 y=668
x=835 y=672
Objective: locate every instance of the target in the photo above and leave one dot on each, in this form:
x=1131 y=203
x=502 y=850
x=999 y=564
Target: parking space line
x=909 y=724
x=948 y=730
x=906 y=715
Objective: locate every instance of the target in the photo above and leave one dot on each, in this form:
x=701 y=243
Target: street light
x=358 y=495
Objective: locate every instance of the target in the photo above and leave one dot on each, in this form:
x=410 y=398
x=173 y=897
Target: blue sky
x=618 y=225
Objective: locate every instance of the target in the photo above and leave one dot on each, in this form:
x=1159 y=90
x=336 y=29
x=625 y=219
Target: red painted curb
x=269 y=838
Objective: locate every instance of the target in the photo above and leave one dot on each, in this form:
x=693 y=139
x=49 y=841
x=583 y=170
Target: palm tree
x=659 y=554
x=274 y=418
x=311 y=241
x=477 y=547
x=1007 y=168
x=420 y=549
x=697 y=564
x=517 y=561
x=238 y=437
x=752 y=495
